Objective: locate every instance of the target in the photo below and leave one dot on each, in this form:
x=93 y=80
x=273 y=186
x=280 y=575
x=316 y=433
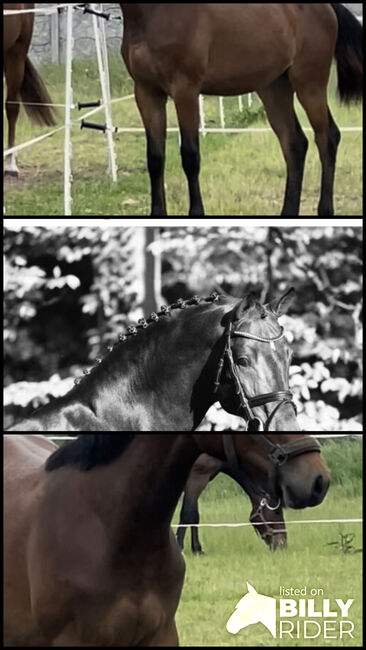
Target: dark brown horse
x=164 y=374
x=266 y=516
x=276 y=49
x=22 y=79
x=90 y=559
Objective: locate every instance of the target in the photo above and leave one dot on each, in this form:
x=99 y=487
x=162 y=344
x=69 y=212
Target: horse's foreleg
x=186 y=99
x=152 y=106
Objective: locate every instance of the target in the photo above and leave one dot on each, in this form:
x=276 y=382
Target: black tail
x=349 y=55
x=34 y=90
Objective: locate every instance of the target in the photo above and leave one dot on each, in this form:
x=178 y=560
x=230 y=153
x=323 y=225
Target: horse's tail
x=35 y=97
x=349 y=55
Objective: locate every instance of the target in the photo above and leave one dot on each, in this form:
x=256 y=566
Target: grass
x=216 y=581
x=241 y=174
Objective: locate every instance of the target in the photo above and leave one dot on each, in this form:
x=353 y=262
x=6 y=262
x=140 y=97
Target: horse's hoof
x=11 y=173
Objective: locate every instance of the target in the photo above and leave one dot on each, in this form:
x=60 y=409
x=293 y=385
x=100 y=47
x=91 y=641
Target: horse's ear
x=251 y=589
x=280 y=306
x=218 y=289
x=245 y=304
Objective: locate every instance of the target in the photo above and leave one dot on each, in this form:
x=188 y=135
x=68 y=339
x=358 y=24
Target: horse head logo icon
x=253 y=608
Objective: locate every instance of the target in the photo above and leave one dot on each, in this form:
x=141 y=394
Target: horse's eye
x=242 y=361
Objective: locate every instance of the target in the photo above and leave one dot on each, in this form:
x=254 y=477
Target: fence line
x=106 y=105
x=271 y=523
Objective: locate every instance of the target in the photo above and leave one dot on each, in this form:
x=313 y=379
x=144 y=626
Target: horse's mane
x=90 y=450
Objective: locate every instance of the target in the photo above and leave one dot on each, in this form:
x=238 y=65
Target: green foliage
x=344 y=459
x=68 y=293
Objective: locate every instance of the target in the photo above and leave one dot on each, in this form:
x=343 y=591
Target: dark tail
x=349 y=55
x=34 y=91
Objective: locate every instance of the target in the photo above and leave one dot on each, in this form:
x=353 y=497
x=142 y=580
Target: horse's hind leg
x=278 y=100
x=14 y=73
x=327 y=138
x=152 y=106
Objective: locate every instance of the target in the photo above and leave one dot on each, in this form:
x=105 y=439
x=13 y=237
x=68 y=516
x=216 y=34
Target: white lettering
x=313 y=629
x=288 y=631
x=330 y=626
x=343 y=631
x=344 y=607
x=288 y=607
x=307 y=634
x=311 y=610
x=308 y=609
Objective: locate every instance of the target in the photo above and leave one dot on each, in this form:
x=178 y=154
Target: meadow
x=242 y=175
x=319 y=556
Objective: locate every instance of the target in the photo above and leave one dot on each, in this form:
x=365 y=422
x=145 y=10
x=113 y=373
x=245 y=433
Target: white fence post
x=68 y=103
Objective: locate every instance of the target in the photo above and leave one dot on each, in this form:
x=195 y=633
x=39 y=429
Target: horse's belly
x=247 y=71
x=241 y=84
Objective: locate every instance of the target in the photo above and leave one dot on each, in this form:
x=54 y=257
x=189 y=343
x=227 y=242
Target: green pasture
x=241 y=174
x=216 y=581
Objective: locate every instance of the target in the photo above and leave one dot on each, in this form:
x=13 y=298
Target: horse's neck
x=136 y=13
x=140 y=489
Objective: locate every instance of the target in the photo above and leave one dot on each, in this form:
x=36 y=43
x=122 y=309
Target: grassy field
x=241 y=174
x=216 y=581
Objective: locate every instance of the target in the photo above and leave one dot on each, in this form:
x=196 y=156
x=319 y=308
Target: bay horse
x=275 y=49
x=24 y=84
x=90 y=558
x=167 y=372
x=266 y=515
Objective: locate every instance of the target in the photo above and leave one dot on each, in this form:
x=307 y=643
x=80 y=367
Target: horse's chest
x=130 y=623
x=123 y=622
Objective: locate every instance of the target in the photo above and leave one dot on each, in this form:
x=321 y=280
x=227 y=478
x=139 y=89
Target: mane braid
x=90 y=450
x=143 y=323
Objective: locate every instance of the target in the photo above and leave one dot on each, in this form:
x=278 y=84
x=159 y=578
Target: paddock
x=236 y=142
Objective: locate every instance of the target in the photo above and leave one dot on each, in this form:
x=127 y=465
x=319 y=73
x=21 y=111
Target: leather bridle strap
x=246 y=404
x=280 y=454
x=230 y=452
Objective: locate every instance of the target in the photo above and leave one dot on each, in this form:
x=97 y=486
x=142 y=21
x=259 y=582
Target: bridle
x=267 y=530
x=248 y=403
x=278 y=456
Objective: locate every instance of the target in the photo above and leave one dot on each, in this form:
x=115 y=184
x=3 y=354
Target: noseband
x=248 y=403
x=278 y=456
